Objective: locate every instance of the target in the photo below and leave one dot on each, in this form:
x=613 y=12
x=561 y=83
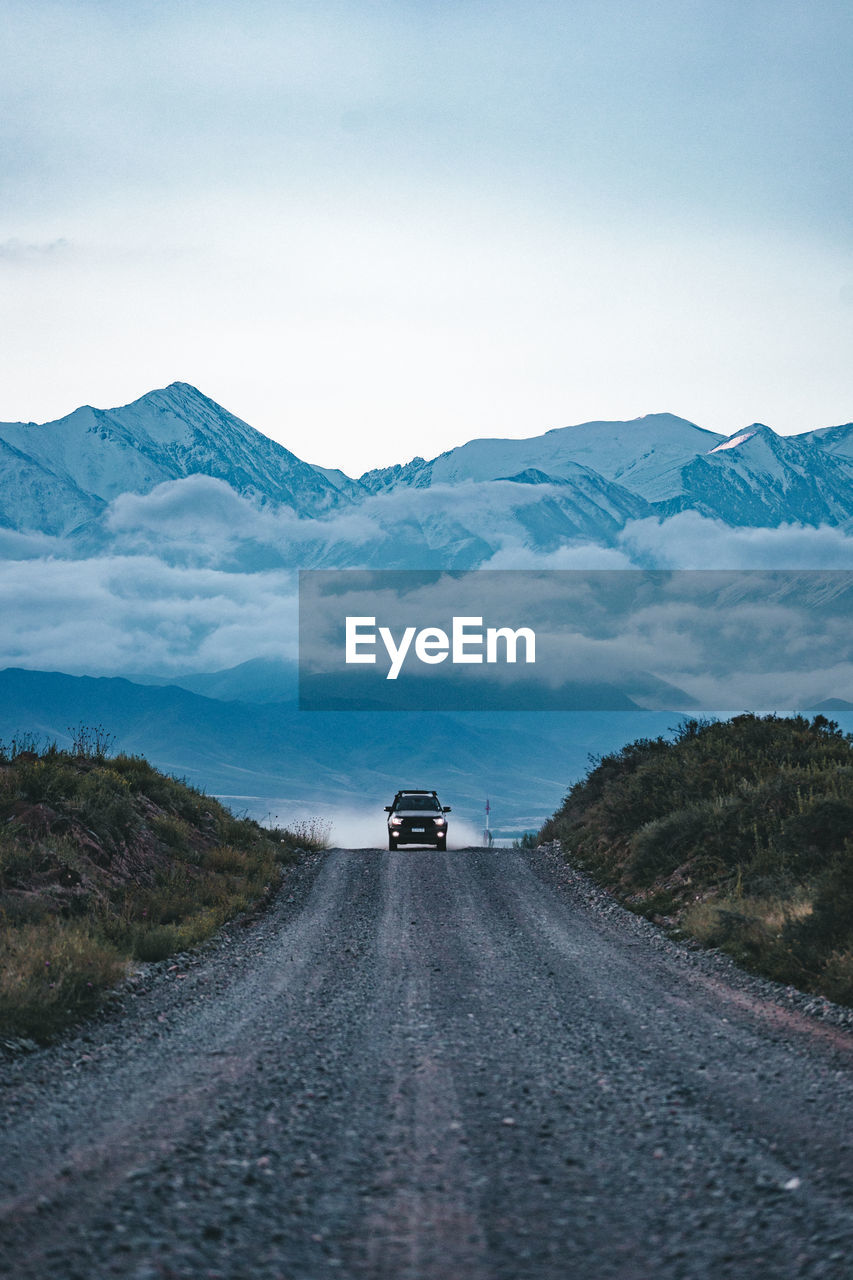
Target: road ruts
x=422 y=1066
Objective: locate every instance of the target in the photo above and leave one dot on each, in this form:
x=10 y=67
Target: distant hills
x=268 y=756
x=245 y=740
x=574 y=483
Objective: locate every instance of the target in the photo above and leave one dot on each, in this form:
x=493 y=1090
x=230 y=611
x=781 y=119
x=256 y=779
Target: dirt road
x=423 y=1065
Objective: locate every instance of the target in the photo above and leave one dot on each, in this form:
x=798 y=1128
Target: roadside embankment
x=737 y=833
x=105 y=860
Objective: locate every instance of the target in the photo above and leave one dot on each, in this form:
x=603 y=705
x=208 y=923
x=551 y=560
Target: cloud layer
x=195 y=577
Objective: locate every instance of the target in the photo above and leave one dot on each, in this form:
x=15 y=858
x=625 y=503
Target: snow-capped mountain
x=835 y=440
x=760 y=479
x=754 y=478
x=74 y=477
x=629 y=453
x=34 y=497
x=68 y=470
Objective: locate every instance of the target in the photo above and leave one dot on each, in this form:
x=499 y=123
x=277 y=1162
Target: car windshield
x=417 y=802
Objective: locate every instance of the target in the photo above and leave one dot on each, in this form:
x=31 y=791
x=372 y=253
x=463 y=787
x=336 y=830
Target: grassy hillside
x=104 y=860
x=739 y=833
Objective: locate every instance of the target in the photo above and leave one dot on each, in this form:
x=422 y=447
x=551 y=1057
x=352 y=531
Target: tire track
x=432 y=1065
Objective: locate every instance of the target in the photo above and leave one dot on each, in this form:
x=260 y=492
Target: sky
x=380 y=228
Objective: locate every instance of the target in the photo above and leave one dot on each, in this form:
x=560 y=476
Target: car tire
x=392 y=843
x=441 y=843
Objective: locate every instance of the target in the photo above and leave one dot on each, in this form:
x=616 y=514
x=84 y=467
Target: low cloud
x=111 y=614
x=192 y=576
x=201 y=520
x=692 y=541
x=578 y=555
x=32 y=546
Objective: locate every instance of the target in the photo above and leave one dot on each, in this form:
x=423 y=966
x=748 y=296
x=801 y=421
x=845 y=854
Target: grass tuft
x=51 y=972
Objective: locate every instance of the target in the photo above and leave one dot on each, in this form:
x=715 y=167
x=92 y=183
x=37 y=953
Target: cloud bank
x=194 y=577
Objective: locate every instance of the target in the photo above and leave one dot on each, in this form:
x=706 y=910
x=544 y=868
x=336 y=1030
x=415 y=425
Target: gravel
x=551 y=865
x=425 y=1065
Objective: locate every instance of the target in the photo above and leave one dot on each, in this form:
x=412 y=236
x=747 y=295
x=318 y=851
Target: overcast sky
x=380 y=228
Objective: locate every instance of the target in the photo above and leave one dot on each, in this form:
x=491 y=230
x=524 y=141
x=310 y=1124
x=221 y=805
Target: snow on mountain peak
x=585 y=480
x=167 y=434
x=632 y=453
x=734 y=441
x=757 y=478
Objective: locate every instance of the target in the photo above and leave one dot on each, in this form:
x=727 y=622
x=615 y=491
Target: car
x=416 y=817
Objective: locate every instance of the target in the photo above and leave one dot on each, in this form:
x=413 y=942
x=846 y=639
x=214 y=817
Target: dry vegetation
x=104 y=860
x=739 y=833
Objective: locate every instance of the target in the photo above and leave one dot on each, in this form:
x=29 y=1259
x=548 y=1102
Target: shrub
x=527 y=840
x=91 y=742
x=106 y=806
x=706 y=830
x=48 y=780
x=108 y=859
x=829 y=927
x=306 y=833
x=154 y=943
x=756 y=809
x=173 y=831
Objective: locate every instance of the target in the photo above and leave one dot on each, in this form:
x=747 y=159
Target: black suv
x=416 y=817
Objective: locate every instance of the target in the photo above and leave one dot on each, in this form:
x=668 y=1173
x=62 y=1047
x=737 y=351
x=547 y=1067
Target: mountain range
x=179 y=481
x=579 y=482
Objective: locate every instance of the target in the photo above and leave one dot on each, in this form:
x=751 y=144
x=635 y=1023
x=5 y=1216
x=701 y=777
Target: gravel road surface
x=422 y=1065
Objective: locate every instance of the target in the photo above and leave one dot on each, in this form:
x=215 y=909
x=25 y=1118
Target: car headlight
x=440 y=822
x=396 y=822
